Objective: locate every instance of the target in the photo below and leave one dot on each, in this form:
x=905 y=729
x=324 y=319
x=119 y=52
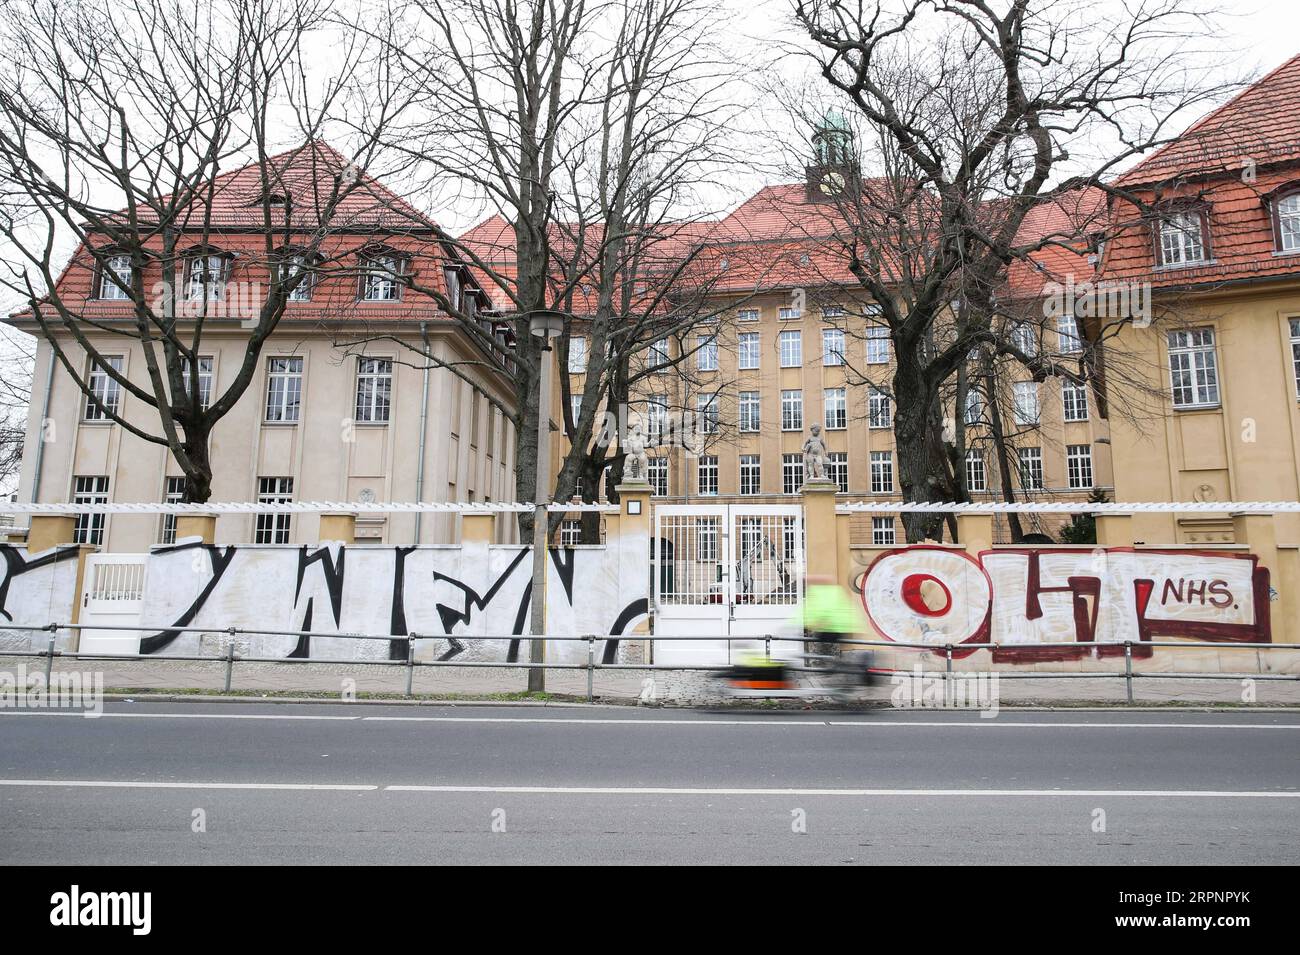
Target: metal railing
x=410 y=663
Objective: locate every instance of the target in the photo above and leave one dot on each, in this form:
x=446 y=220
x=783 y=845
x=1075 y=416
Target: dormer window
x=299 y=264
x=1182 y=238
x=115 y=278
x=1286 y=222
x=382 y=278
x=206 y=277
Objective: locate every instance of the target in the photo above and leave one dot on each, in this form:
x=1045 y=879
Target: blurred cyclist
x=830 y=616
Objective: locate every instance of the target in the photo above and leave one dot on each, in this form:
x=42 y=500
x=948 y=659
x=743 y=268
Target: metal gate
x=113 y=595
x=731 y=570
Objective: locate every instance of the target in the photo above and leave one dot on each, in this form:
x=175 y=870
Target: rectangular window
x=877 y=345
x=974 y=406
x=577 y=355
x=747 y=315
x=837 y=469
x=1288 y=222
x=791 y=350
x=297 y=265
x=656 y=412
x=119 y=266
x=882 y=472
x=791 y=473
x=880 y=410
x=89 y=528
x=657 y=474
x=882 y=532
x=172 y=494
x=832 y=311
x=835 y=404
x=570 y=533
x=788 y=313
x=750 y=411
x=575 y=408
x=375 y=390
x=1025 y=402
x=832 y=346
x=1295 y=353
x=206 y=279
x=659 y=355
x=1193 y=368
x=792 y=410
x=105 y=388
x=706 y=538
x=273 y=528
x=205 y=380
x=1067 y=332
x=707 y=474
x=1074 y=398
x=382 y=279
x=976 y=478
x=283 y=389
x=1078 y=461
x=1182 y=239
x=706 y=406
x=748 y=351
x=1031 y=468
x=706 y=353
x=1024 y=337
x=750 y=474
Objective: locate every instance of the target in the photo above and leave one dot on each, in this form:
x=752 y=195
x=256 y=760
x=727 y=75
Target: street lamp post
x=544 y=324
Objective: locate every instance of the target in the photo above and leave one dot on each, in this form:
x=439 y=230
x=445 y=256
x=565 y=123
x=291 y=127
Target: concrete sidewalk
x=663 y=686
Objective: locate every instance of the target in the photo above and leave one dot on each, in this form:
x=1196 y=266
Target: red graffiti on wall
x=1023 y=598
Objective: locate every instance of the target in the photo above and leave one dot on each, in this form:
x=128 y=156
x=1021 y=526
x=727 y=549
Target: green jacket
x=831 y=608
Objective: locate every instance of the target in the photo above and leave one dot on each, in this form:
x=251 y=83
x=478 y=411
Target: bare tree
x=590 y=130
x=125 y=129
x=982 y=113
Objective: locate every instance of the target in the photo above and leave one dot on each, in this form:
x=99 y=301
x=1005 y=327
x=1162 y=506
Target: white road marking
x=675 y=791
x=602 y=721
x=144 y=784
x=650 y=790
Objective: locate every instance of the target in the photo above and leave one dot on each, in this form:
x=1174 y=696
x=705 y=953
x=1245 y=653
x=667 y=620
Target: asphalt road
x=341 y=784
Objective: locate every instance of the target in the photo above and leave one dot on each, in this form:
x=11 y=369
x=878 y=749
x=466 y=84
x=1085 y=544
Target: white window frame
x=577 y=355
x=273 y=528
x=284 y=380
x=748 y=351
x=791 y=409
x=1067 y=335
x=205 y=277
x=790 y=344
x=792 y=476
x=1193 y=368
x=104 y=387
x=882 y=472
x=1074 y=401
x=750 y=474
x=110 y=291
x=382 y=278
x=884 y=531
x=706 y=408
x=706 y=353
x=1031 y=468
x=374 y=390
x=1025 y=404
x=173 y=493
x=750 y=411
x=657 y=474
x=878 y=345
x=89 y=489
x=1078 y=466
x=706 y=475
x=976 y=471
x=880 y=409
x=835 y=408
x=1181 y=239
x=832 y=347
x=837 y=469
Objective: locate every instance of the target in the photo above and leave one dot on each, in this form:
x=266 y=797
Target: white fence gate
x=112 y=595
x=733 y=570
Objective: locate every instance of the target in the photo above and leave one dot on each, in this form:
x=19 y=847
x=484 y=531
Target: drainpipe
x=45 y=414
x=424 y=417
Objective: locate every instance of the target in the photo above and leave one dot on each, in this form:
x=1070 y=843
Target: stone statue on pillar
x=636 y=465
x=815 y=457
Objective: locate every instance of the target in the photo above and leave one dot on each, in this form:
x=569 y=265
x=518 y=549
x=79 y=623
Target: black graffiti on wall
x=17 y=563
x=334 y=569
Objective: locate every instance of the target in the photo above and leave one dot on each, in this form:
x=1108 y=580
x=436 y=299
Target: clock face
x=831 y=183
